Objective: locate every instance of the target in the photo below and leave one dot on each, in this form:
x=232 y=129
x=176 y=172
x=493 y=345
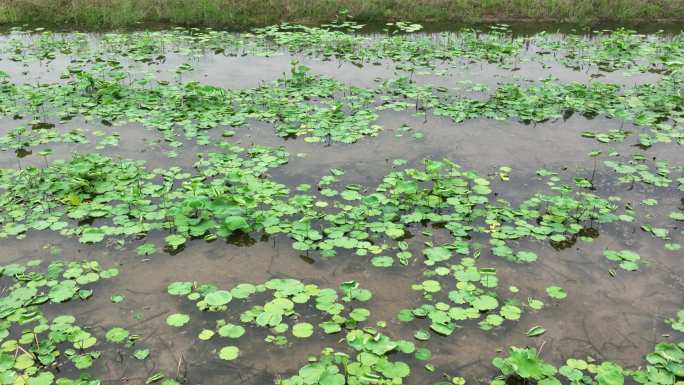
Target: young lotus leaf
x=628 y=259
x=535 y=303
x=177 y=320
x=445 y=329
x=179 y=288
x=302 y=330
x=175 y=241
x=63 y=291
x=382 y=261
x=233 y=223
x=92 y=235
x=269 y=319
x=524 y=363
x=610 y=374
x=396 y=370
x=218 y=298
x=510 y=312
x=556 y=292
x=116 y=335
x=229 y=353
x=536 y=331
x=109 y=273
x=525 y=256
x=677 y=323
x=485 y=302
x=44 y=378
x=431 y=286
x=422 y=335
x=437 y=254
x=243 y=290
x=231 y=331
x=405 y=315
x=330 y=327
x=673 y=246
x=205 y=334
x=146 y=249
x=359 y=314
x=141 y=354
x=423 y=354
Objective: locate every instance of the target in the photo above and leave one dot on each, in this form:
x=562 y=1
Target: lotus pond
x=303 y=206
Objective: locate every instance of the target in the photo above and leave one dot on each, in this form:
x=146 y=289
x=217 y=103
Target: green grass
x=249 y=13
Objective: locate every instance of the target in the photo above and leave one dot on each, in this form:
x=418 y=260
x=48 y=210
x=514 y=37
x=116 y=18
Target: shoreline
x=245 y=14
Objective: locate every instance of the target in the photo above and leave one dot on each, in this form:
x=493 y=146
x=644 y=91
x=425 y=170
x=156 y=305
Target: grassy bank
x=249 y=13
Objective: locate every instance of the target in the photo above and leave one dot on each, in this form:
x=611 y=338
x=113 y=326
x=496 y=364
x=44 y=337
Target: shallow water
x=607 y=317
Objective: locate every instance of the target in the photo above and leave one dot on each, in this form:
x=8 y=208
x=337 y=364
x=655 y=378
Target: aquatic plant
x=287 y=295
x=35 y=346
x=663 y=367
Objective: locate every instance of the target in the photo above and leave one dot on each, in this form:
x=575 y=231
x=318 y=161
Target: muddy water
x=606 y=317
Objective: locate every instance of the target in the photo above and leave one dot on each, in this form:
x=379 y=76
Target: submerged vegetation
x=215 y=170
x=33 y=345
